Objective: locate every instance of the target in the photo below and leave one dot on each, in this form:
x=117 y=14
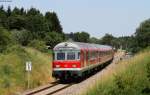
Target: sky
x=97 y=17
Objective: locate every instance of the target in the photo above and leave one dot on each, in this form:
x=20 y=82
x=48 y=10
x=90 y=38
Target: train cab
x=75 y=59
x=66 y=60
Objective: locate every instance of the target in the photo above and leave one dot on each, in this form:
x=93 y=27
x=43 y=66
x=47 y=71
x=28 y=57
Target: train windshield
x=70 y=55
x=66 y=55
x=60 y=56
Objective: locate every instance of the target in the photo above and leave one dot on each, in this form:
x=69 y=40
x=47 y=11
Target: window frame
x=66 y=52
x=74 y=54
x=60 y=59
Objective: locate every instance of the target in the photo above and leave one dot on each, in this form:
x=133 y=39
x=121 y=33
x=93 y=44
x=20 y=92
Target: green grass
x=131 y=77
x=13 y=77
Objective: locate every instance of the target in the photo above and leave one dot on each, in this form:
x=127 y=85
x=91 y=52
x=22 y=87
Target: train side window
x=71 y=56
x=78 y=55
x=60 y=56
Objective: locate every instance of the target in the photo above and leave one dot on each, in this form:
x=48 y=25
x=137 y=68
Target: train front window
x=70 y=55
x=60 y=56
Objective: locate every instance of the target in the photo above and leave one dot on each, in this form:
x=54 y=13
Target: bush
x=5 y=39
x=132 y=77
x=15 y=48
x=22 y=37
x=53 y=38
x=37 y=44
x=13 y=77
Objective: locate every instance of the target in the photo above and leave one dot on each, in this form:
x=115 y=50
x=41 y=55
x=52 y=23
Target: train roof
x=80 y=45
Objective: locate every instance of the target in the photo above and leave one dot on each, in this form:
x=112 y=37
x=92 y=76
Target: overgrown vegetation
x=130 y=77
x=134 y=43
x=13 y=77
x=25 y=26
x=24 y=36
x=20 y=26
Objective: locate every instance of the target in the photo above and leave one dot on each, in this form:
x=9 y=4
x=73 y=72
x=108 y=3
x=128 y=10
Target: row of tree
x=24 y=26
x=31 y=27
x=108 y=39
x=134 y=43
x=31 y=20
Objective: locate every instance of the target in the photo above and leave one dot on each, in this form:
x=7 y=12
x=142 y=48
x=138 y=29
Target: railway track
x=63 y=89
x=49 y=89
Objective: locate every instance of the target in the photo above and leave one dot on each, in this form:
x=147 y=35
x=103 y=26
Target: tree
x=142 y=34
x=22 y=11
x=16 y=22
x=22 y=37
x=124 y=42
x=8 y=11
x=35 y=22
x=5 y=39
x=107 y=40
x=36 y=25
x=94 y=40
x=31 y=24
x=81 y=37
x=53 y=22
x=3 y=17
x=37 y=44
x=16 y=11
x=33 y=12
x=53 y=38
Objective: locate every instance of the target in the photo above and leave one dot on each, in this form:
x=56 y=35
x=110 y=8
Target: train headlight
x=74 y=66
x=57 y=66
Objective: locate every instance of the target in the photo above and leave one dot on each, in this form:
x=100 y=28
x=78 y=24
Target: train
x=77 y=59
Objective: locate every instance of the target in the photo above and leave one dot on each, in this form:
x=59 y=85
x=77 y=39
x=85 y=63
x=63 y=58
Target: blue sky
x=97 y=17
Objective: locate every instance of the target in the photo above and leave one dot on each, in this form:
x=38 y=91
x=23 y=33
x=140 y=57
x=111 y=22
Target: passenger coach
x=75 y=59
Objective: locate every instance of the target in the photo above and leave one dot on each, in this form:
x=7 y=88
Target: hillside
x=129 y=77
x=13 y=77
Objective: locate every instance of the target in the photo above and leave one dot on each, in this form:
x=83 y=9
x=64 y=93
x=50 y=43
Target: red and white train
x=76 y=59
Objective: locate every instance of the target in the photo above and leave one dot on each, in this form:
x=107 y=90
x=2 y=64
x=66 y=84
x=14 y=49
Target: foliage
x=107 y=39
x=32 y=20
x=5 y=39
x=27 y=25
x=40 y=45
x=52 y=22
x=16 y=22
x=3 y=17
x=13 y=77
x=94 y=40
x=53 y=38
x=130 y=77
x=22 y=37
x=142 y=35
x=79 y=36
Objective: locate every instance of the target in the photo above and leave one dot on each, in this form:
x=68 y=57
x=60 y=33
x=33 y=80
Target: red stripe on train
x=66 y=64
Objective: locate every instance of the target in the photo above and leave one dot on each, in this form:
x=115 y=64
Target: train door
x=87 y=63
x=82 y=58
x=89 y=57
x=84 y=52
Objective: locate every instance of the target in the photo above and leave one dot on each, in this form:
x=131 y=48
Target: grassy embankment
x=129 y=77
x=13 y=77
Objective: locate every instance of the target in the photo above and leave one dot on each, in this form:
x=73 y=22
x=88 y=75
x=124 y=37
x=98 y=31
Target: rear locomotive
x=75 y=59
